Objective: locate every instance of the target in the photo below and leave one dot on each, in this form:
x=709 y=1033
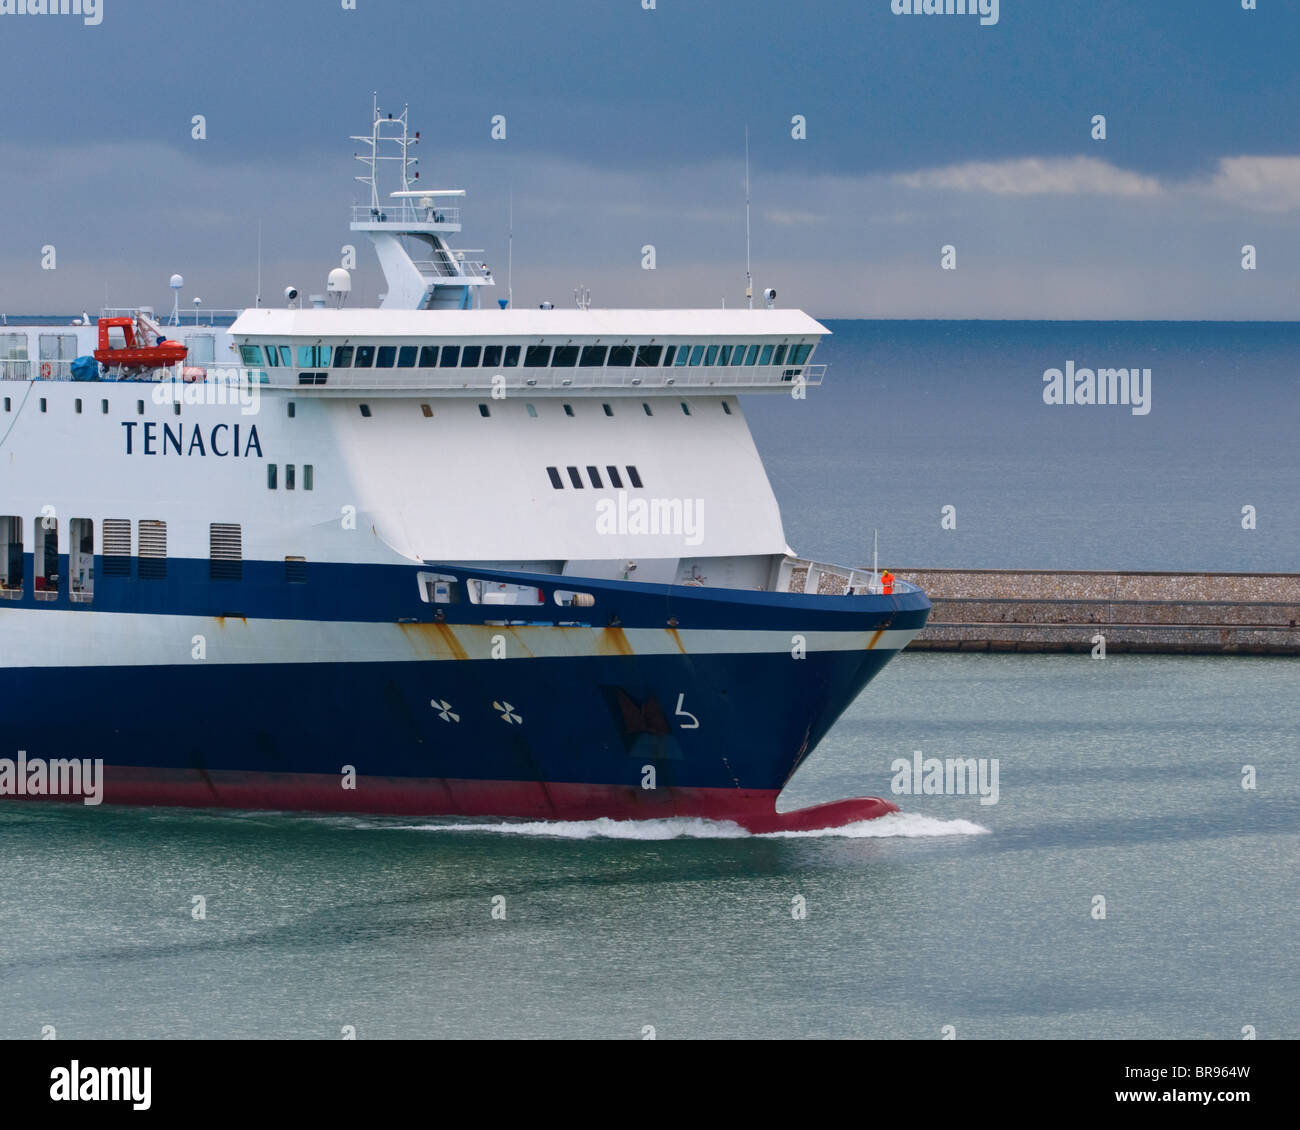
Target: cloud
x=1263 y=184
x=1036 y=176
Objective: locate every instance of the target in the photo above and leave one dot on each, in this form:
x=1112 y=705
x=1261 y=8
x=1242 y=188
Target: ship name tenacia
x=221 y=440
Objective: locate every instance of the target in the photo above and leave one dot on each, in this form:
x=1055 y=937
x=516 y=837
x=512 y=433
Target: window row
x=485 y=410
x=63 y=347
x=593 y=476
x=225 y=551
x=510 y=356
x=290 y=477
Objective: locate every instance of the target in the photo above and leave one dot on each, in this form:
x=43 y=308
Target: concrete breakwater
x=1059 y=610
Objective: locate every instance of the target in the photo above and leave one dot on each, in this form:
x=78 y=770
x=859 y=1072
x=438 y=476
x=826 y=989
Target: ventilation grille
x=226 y=541
x=117 y=547
x=153 y=550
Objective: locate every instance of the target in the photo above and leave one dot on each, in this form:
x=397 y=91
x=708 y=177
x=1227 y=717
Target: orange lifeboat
x=133 y=353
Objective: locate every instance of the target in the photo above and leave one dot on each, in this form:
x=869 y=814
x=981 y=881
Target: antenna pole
x=259 y=263
x=749 y=282
x=875 y=557
x=510 y=255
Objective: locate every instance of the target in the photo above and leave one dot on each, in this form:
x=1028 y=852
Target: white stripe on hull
x=60 y=638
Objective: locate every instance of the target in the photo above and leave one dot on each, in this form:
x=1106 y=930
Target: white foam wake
x=894 y=824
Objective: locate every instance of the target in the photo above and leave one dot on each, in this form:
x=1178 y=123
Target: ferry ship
x=439 y=557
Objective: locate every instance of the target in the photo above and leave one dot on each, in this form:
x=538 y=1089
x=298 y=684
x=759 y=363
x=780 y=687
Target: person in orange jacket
x=886 y=582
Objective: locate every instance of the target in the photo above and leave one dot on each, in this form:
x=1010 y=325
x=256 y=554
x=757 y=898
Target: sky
x=625 y=127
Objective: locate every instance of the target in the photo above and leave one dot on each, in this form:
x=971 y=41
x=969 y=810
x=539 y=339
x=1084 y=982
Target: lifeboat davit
x=133 y=352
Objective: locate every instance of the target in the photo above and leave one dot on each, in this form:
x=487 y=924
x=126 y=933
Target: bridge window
x=152 y=536
x=697 y=354
x=512 y=356
x=364 y=357
x=312 y=356
x=272 y=354
x=738 y=355
x=449 y=358
x=286 y=356
x=683 y=355
x=614 y=478
x=724 y=355
x=11 y=557
x=491 y=356
x=343 y=357
x=225 y=551
x=565 y=357
x=45 y=558
x=594 y=475
x=765 y=355
x=575 y=478
x=537 y=356
x=633 y=477
x=428 y=357
x=251 y=356
x=593 y=356
x=779 y=357
x=799 y=354
x=752 y=355
x=711 y=355
x=669 y=354
x=406 y=357
x=469 y=356
x=648 y=355
x=556 y=482
x=117 y=547
x=622 y=356
x=386 y=357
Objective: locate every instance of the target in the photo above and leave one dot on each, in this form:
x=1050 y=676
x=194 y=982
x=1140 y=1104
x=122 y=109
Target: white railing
x=524 y=380
x=815 y=578
x=405 y=213
x=469 y=268
x=204 y=316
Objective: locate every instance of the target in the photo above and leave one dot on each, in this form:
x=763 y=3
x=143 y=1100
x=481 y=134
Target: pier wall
x=1050 y=610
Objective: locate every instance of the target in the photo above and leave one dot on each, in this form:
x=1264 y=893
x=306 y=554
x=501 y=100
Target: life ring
x=46 y=370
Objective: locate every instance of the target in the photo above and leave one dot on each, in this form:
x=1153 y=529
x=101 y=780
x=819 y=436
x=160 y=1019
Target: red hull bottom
x=754 y=810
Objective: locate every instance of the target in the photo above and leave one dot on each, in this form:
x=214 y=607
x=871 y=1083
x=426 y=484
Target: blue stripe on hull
x=594 y=720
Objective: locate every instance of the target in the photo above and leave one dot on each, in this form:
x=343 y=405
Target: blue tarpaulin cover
x=85 y=369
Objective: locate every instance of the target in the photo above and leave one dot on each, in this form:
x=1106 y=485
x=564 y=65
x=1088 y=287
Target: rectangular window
x=225 y=551
x=13 y=347
x=622 y=356
x=272 y=356
x=575 y=478
x=648 y=355
x=556 y=482
x=800 y=354
x=594 y=475
x=780 y=355
x=11 y=557
x=609 y=409
x=152 y=537
x=752 y=355
x=484 y=411
x=290 y=478
x=428 y=356
x=711 y=355
x=469 y=356
x=343 y=357
x=765 y=355
x=491 y=356
x=512 y=356
x=308 y=477
x=81 y=560
x=683 y=355
x=58 y=347
x=538 y=356
x=669 y=354
x=202 y=349
x=724 y=355
x=565 y=356
x=365 y=410
x=449 y=358
x=593 y=356
x=615 y=479
x=634 y=477
x=117 y=547
x=286 y=356
x=306 y=357
x=271 y=482
x=45 y=558
x=364 y=357
x=697 y=354
x=386 y=357
x=406 y=357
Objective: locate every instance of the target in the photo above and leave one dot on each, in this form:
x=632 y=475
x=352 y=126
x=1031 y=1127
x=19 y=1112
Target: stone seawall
x=1030 y=610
